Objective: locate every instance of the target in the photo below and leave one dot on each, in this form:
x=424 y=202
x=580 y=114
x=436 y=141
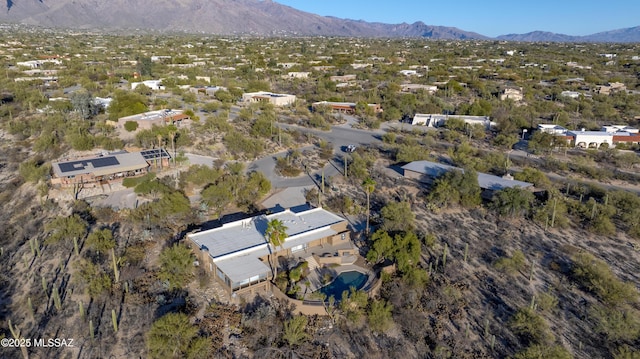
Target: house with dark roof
x=107 y=167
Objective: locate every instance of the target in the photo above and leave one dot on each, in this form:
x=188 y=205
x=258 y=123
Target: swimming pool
x=343 y=282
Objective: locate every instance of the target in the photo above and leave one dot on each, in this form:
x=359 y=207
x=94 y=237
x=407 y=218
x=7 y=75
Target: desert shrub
x=511 y=265
x=130 y=126
x=546 y=301
x=31 y=171
x=596 y=276
x=616 y=324
x=287 y=168
x=530 y=326
x=544 y=351
x=379 y=316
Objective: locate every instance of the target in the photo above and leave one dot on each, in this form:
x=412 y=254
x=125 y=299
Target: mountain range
x=243 y=17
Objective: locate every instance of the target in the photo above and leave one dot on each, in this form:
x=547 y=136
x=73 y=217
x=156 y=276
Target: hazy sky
x=487 y=17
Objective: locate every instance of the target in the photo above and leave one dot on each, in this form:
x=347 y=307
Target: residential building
x=35 y=64
x=610 y=88
x=273 y=98
x=287 y=65
x=297 y=75
x=438 y=120
x=570 y=94
x=106 y=168
x=427 y=172
x=238 y=253
x=430 y=89
x=155 y=85
x=345 y=107
x=206 y=90
x=619 y=128
x=409 y=72
x=343 y=78
x=552 y=129
x=158 y=118
x=591 y=139
x=511 y=94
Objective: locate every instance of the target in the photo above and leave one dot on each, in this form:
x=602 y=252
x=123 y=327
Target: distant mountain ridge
x=243 y=17
x=631 y=34
x=223 y=17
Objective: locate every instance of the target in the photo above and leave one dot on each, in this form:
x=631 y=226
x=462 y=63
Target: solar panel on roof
x=104 y=162
x=154 y=153
x=71 y=166
x=81 y=164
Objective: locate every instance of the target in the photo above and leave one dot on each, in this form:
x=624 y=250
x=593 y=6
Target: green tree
x=144 y=66
x=617 y=324
x=96 y=281
x=276 y=234
x=126 y=103
x=596 y=276
x=294 y=330
x=101 y=240
x=217 y=196
x=368 y=185
x=31 y=171
x=379 y=315
x=535 y=176
x=530 y=326
x=65 y=228
x=382 y=246
x=83 y=103
x=173 y=336
x=512 y=202
x=542 y=142
x=397 y=216
x=130 y=126
x=176 y=266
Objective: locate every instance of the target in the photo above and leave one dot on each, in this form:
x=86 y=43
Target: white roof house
x=552 y=129
x=276 y=99
x=155 y=85
x=438 y=120
x=416 y=87
x=236 y=247
x=591 y=138
x=619 y=128
x=570 y=94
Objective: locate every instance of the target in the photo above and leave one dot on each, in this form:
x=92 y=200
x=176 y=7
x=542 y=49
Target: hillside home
x=240 y=257
x=158 y=118
x=438 y=120
x=511 y=94
x=344 y=107
x=427 y=172
x=106 y=168
x=275 y=99
x=430 y=89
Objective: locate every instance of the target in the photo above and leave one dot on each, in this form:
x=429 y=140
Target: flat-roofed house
x=344 y=107
x=237 y=253
x=159 y=118
x=277 y=99
x=430 y=89
x=438 y=120
x=552 y=129
x=510 y=93
x=92 y=171
x=427 y=172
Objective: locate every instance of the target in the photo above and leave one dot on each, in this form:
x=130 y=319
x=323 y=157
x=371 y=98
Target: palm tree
x=369 y=186
x=276 y=233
